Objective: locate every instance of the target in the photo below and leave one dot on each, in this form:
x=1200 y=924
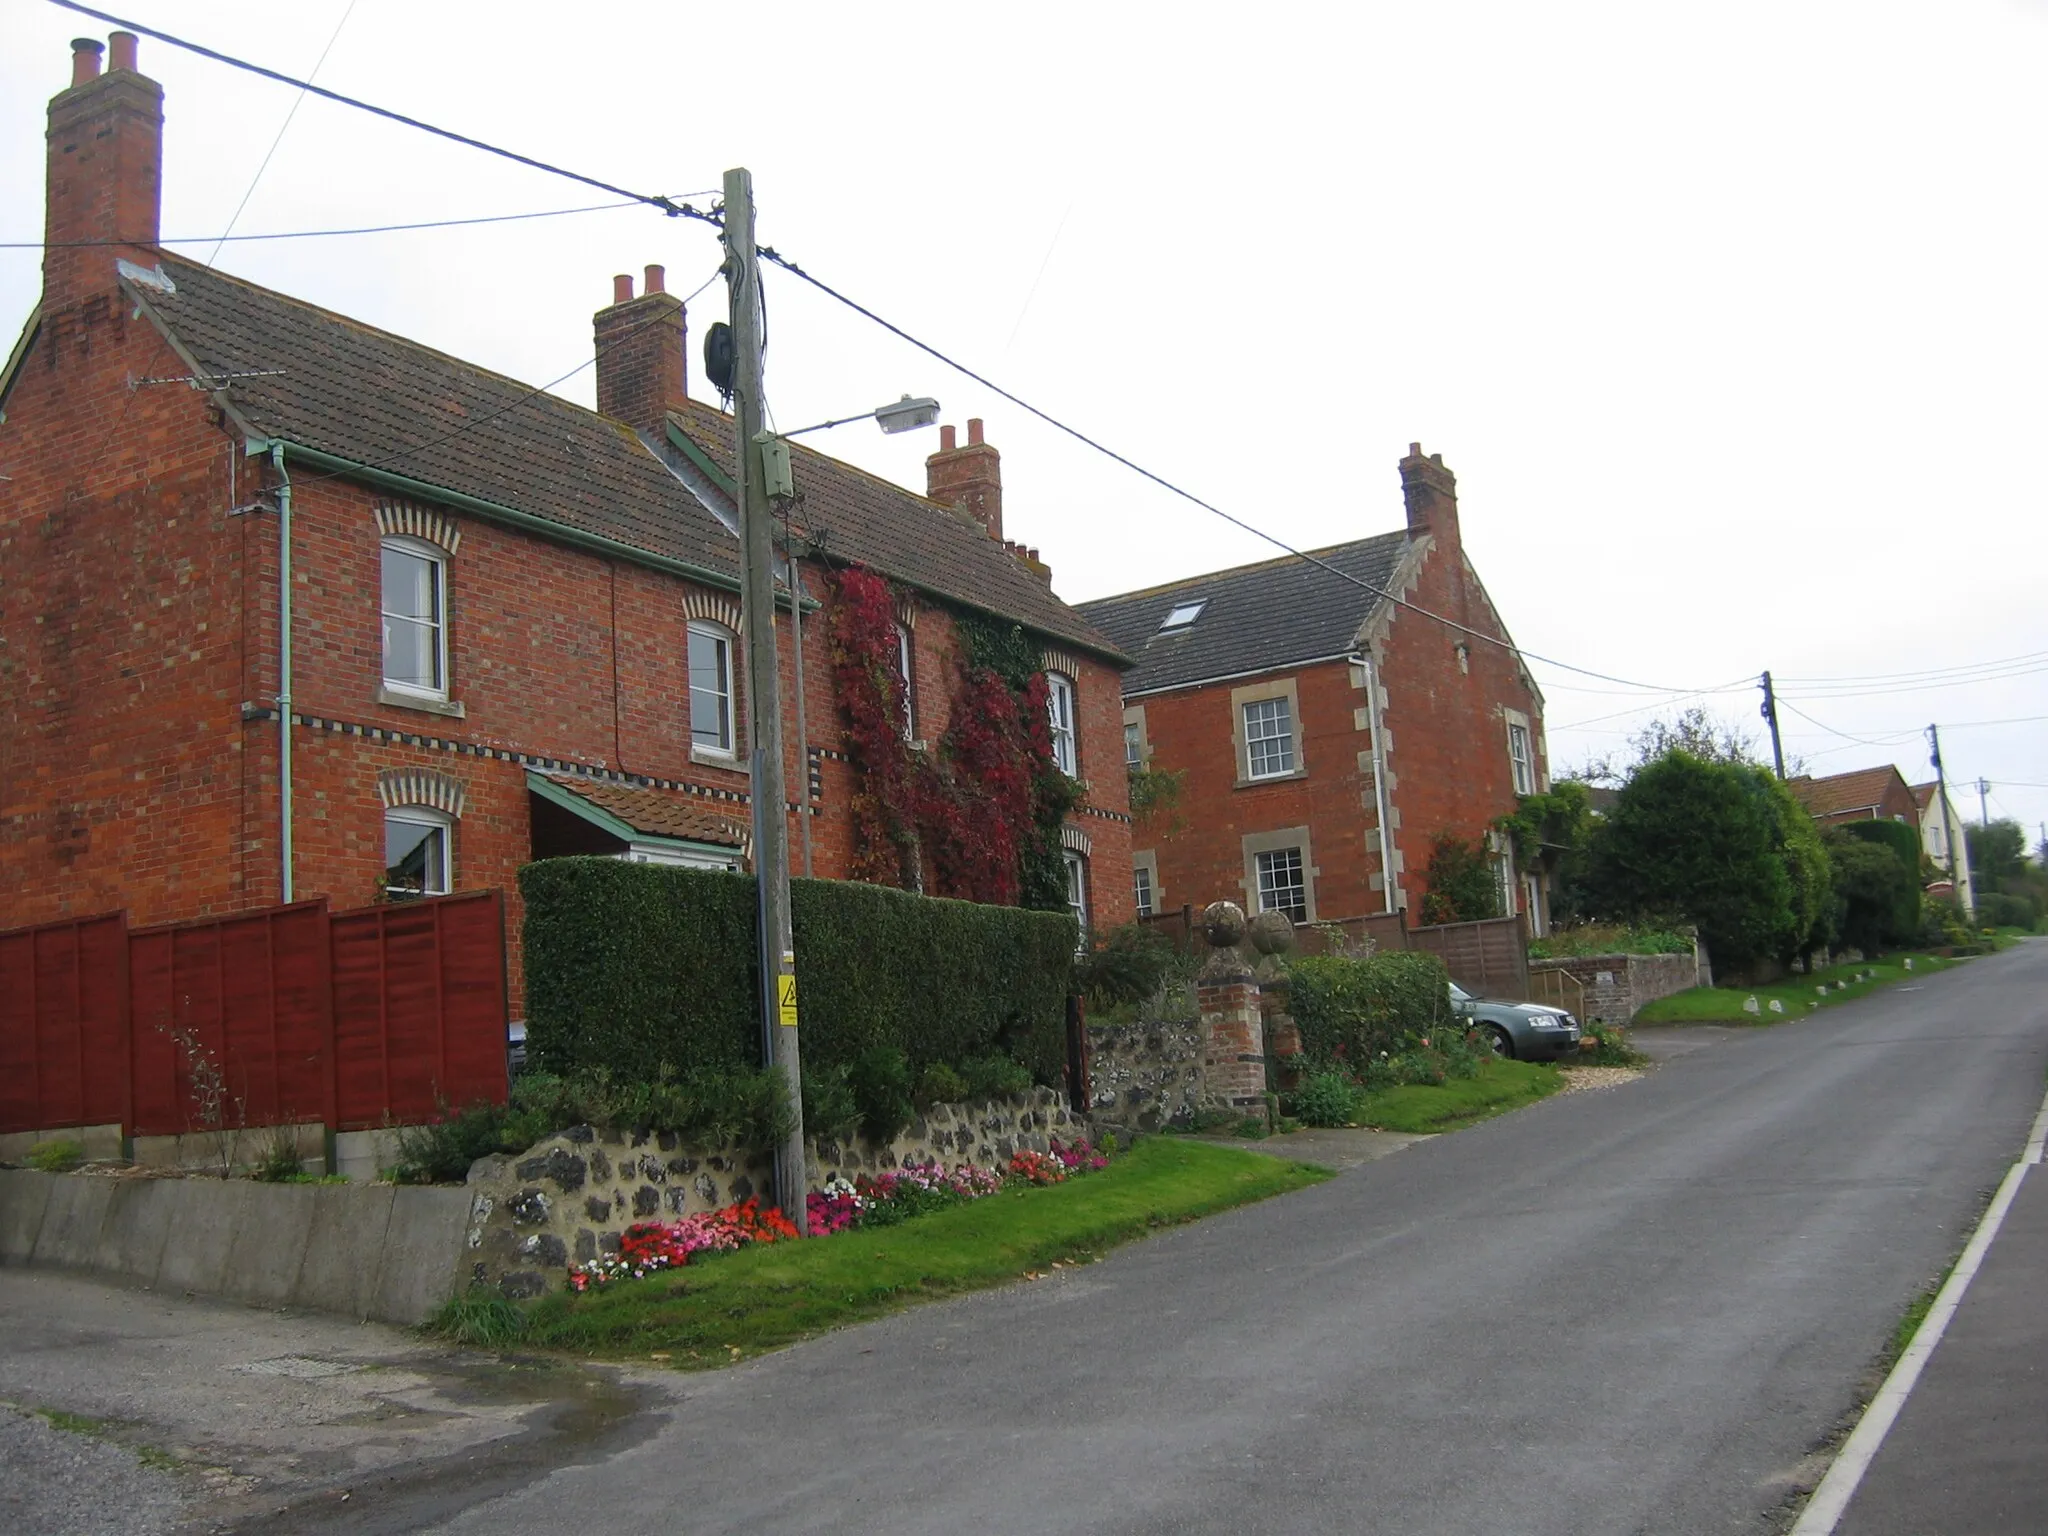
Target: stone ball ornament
x=1223 y=924
x=1272 y=933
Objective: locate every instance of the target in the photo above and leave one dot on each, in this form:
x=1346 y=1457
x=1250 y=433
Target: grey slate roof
x=380 y=400
x=1255 y=617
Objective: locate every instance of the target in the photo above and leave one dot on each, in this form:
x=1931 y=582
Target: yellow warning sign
x=785 y=999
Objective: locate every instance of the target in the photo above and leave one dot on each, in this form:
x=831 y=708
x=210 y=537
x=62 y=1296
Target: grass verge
x=1500 y=1086
x=1798 y=994
x=740 y=1304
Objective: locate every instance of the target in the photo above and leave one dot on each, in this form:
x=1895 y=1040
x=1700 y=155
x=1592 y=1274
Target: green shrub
x=713 y=1109
x=939 y=1084
x=59 y=1156
x=1351 y=1012
x=995 y=1077
x=1325 y=1099
x=830 y=1112
x=1606 y=1045
x=1125 y=965
x=633 y=968
x=1941 y=924
x=880 y=1080
x=1998 y=909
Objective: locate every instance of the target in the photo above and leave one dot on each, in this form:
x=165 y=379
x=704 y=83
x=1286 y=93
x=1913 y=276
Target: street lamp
x=905 y=415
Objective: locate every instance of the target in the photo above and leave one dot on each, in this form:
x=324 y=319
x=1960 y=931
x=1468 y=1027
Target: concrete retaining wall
x=364 y=1250
x=1618 y=987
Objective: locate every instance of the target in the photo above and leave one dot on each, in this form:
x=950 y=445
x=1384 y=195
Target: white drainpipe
x=284 y=671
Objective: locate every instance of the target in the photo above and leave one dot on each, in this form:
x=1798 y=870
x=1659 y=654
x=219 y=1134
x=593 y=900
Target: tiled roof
x=657 y=812
x=379 y=400
x=1838 y=794
x=1923 y=794
x=856 y=517
x=1253 y=618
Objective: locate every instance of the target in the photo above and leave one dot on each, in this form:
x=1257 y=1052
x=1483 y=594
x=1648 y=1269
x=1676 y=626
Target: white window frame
x=1260 y=867
x=1145 y=862
x=1182 y=616
x=1285 y=737
x=1077 y=888
x=1522 y=764
x=1134 y=745
x=437 y=558
x=420 y=816
x=1279 y=840
x=1144 y=890
x=1059 y=706
x=903 y=654
x=723 y=637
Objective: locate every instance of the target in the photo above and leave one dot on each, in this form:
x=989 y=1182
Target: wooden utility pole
x=764 y=690
x=1770 y=714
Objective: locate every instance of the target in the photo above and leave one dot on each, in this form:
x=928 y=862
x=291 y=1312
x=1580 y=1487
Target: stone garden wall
x=1618 y=987
x=570 y=1197
x=1146 y=1074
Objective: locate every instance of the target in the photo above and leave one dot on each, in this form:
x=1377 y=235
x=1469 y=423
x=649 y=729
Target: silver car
x=1518 y=1031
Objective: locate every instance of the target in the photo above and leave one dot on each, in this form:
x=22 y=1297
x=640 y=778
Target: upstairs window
x=1520 y=760
x=415 y=605
x=903 y=672
x=1077 y=891
x=1059 y=705
x=711 y=728
x=1141 y=884
x=1134 y=745
x=1182 y=616
x=416 y=861
x=1269 y=738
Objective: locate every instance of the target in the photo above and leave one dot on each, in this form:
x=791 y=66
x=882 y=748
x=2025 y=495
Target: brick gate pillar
x=1272 y=935
x=1234 y=1038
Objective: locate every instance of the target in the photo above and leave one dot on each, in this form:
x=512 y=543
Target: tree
x=1998 y=852
x=1694 y=731
x=1877 y=894
x=1459 y=882
x=1719 y=844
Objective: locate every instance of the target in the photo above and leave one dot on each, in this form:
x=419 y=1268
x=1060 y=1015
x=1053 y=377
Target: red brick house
x=1862 y=794
x=512 y=626
x=1327 y=734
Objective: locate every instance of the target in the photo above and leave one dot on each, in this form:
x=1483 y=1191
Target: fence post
x=1079 y=1090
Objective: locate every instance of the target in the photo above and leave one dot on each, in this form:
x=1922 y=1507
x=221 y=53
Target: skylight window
x=1181 y=615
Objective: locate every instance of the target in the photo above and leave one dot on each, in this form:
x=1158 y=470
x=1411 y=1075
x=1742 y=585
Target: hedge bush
x=646 y=971
x=1349 y=1011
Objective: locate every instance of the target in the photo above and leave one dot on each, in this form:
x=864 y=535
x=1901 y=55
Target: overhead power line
x=769 y=254
x=667 y=205
x=320 y=234
x=2030 y=658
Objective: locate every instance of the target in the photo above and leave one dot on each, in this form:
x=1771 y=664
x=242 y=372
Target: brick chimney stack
x=105 y=180
x=1431 y=492
x=642 y=373
x=969 y=478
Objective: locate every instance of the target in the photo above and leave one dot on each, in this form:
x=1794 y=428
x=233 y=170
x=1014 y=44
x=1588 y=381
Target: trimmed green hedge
x=647 y=970
x=1351 y=1010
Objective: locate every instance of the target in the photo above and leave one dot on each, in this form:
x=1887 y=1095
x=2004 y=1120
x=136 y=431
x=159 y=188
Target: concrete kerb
x=424 y=1249
x=345 y=1250
x=70 y=1233
x=268 y=1244
x=24 y=1196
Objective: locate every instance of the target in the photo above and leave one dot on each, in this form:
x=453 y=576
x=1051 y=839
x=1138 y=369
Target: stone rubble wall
x=569 y=1198
x=1146 y=1075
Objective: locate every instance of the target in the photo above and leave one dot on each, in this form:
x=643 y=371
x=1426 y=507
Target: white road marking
x=1824 y=1510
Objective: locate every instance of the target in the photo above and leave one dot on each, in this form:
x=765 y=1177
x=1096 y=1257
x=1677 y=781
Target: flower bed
x=879 y=1200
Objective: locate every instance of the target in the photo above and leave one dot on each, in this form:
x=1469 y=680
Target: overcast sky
x=1731 y=319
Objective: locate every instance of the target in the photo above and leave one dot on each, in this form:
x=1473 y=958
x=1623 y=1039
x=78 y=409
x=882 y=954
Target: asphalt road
x=1641 y=1310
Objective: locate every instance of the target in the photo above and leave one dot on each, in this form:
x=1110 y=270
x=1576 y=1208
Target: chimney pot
x=973 y=429
x=85 y=60
x=622 y=288
x=1415 y=450
x=948 y=439
x=124 y=44
x=656 y=277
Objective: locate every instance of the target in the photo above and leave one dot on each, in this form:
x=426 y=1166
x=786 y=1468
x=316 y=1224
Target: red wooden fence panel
x=419 y=1006
x=64 y=1024
x=356 y=1019
x=252 y=993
